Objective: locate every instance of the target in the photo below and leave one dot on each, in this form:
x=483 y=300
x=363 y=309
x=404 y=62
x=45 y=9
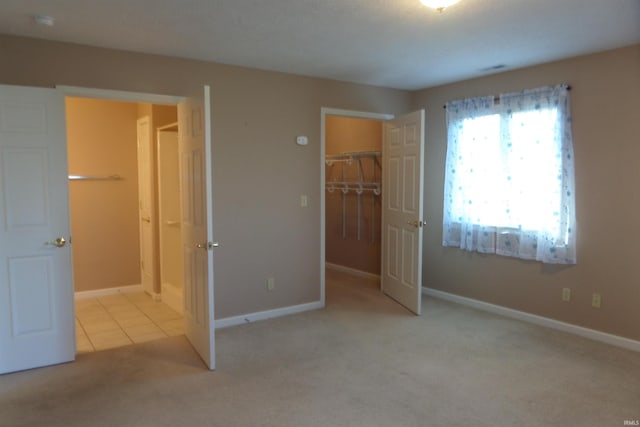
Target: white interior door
x=402 y=201
x=36 y=287
x=145 y=198
x=194 y=118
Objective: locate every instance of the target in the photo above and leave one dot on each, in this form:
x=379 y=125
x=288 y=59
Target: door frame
x=324 y=112
x=128 y=96
x=171 y=127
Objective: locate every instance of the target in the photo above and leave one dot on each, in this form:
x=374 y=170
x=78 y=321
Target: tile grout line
x=135 y=307
x=152 y=321
x=122 y=327
x=85 y=334
x=114 y=319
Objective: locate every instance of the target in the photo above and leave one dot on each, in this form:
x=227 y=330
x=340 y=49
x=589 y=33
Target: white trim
x=592 y=334
x=323 y=222
x=268 y=314
x=324 y=112
x=119 y=95
x=173 y=296
x=352 y=271
x=208 y=191
x=108 y=291
x=355 y=114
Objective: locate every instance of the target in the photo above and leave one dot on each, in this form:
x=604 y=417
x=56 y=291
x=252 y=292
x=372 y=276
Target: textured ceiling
x=392 y=43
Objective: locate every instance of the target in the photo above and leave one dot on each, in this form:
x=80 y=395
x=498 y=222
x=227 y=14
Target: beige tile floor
x=123 y=319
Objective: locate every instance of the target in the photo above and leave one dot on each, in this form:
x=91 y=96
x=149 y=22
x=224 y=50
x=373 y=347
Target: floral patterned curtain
x=509 y=180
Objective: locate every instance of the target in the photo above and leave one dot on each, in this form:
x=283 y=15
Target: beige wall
x=101 y=138
x=259 y=172
x=606 y=127
x=344 y=134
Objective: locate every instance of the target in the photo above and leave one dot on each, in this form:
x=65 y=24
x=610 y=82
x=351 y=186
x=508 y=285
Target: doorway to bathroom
x=125 y=221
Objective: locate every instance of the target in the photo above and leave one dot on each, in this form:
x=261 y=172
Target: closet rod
x=344 y=190
x=95 y=177
x=349 y=157
x=353 y=184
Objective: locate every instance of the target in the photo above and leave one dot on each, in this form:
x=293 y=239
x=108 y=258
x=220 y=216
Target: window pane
x=509 y=182
x=478 y=171
x=534 y=165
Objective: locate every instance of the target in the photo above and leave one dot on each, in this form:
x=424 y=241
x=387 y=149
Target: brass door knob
x=417 y=224
x=58 y=243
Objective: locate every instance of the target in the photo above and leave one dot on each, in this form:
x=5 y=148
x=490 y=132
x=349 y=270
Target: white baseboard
x=173 y=296
x=268 y=314
x=359 y=273
x=604 y=337
x=108 y=291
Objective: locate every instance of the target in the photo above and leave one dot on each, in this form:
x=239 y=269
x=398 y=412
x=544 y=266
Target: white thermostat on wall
x=302 y=140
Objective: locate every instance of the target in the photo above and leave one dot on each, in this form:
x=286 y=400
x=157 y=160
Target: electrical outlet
x=566 y=294
x=271 y=284
x=304 y=201
x=596 y=301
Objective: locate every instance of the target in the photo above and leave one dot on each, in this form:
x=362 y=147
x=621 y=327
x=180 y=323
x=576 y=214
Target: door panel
x=393 y=182
x=31 y=284
x=36 y=289
x=409 y=180
x=195 y=172
x=146 y=205
x=24 y=172
x=401 y=273
x=393 y=240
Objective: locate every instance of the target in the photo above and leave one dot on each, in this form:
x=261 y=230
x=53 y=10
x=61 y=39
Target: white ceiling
x=392 y=43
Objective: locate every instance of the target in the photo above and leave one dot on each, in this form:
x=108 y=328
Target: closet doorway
x=351 y=181
x=372 y=201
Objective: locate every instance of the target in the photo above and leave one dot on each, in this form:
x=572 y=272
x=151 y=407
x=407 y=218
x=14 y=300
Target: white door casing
x=194 y=117
x=146 y=204
x=36 y=286
x=323 y=115
x=402 y=206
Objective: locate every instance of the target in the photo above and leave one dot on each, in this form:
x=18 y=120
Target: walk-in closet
x=353 y=194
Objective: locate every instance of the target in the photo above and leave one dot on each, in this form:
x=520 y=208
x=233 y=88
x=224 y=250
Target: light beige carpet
x=364 y=361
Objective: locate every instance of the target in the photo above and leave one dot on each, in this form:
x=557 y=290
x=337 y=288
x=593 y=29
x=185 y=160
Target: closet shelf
x=95 y=178
x=360 y=185
x=330 y=159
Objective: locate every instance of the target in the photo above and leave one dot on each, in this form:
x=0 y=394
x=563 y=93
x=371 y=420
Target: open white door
x=194 y=116
x=402 y=201
x=36 y=288
x=146 y=204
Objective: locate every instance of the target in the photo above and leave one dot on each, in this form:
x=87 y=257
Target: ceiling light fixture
x=439 y=5
x=44 y=20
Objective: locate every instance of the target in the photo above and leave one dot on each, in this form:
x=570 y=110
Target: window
x=509 y=184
